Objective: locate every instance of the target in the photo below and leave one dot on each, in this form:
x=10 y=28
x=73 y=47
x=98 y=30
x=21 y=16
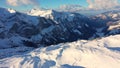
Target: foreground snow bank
x=103 y=53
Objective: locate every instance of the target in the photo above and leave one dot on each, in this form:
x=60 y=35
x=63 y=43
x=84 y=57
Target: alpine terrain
x=43 y=38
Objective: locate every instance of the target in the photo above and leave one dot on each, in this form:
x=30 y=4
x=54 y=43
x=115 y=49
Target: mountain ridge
x=50 y=30
x=49 y=27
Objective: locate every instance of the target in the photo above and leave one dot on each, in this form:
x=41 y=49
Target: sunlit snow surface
x=98 y=53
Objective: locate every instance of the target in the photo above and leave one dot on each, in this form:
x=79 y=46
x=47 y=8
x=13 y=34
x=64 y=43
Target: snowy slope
x=99 y=53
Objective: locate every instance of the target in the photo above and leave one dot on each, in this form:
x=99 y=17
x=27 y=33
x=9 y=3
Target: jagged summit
x=55 y=15
x=42 y=12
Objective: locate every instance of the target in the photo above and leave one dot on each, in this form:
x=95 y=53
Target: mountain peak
x=41 y=12
x=11 y=10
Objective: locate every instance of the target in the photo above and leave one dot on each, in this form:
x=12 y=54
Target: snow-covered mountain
x=98 y=53
x=44 y=27
x=109 y=23
x=58 y=17
x=21 y=33
x=107 y=18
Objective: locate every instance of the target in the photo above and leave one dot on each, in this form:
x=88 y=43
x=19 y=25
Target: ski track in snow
x=99 y=53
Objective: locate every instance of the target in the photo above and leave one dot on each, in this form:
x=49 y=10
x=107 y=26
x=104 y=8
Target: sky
x=23 y=5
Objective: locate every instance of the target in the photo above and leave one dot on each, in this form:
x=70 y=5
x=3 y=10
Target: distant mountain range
x=110 y=21
x=47 y=27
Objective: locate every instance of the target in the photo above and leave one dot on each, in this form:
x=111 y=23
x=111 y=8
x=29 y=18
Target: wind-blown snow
x=99 y=53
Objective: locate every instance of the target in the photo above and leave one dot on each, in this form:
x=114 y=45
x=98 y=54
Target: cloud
x=21 y=2
x=70 y=8
x=93 y=5
x=102 y=4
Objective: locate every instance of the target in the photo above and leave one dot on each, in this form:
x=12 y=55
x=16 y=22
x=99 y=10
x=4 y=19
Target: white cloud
x=70 y=8
x=22 y=2
x=102 y=4
x=93 y=6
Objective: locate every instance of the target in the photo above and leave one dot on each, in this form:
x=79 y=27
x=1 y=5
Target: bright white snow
x=98 y=53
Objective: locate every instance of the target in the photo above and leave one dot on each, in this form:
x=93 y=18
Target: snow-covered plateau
x=97 y=53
